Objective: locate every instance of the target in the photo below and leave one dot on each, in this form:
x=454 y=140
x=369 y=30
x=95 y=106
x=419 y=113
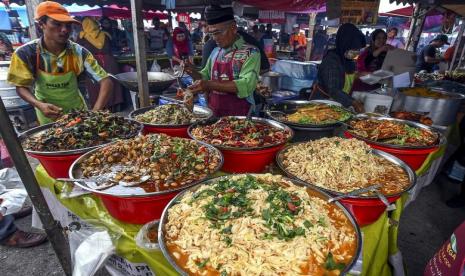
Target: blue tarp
x=5 y=23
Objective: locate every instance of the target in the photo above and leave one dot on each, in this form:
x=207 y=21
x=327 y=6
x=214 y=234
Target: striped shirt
x=75 y=58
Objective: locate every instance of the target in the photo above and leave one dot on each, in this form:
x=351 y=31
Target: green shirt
x=247 y=77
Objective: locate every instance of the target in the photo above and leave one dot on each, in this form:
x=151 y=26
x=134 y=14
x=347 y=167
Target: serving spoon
x=107 y=182
x=356 y=192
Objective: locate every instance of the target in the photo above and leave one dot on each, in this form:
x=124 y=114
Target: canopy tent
x=407 y=12
x=302 y=6
x=114 y=11
x=456 y=6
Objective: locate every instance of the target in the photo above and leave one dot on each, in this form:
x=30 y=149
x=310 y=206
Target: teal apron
x=60 y=89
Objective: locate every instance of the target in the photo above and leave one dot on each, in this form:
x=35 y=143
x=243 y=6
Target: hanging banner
x=272 y=17
x=184 y=17
x=359 y=12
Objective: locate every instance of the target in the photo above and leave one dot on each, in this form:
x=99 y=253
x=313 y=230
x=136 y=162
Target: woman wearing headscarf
x=371 y=59
x=98 y=43
x=336 y=72
x=179 y=47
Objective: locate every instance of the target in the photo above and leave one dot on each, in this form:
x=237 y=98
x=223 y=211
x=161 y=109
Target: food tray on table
x=407 y=129
x=282 y=245
x=308 y=114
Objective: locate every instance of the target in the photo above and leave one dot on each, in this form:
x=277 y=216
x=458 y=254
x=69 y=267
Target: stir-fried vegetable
x=169 y=114
x=82 y=129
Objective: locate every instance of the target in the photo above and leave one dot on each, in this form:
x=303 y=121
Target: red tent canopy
x=113 y=11
x=406 y=12
x=287 y=5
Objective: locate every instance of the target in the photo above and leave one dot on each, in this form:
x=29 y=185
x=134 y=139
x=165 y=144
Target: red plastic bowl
x=413 y=157
x=137 y=210
x=56 y=166
x=171 y=131
x=253 y=161
x=366 y=211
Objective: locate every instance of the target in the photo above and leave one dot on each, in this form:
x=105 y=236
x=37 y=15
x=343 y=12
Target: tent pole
x=311 y=35
x=52 y=228
x=416 y=26
x=31 y=9
x=140 y=52
x=458 y=41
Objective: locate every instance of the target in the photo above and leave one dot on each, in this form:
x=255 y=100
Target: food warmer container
x=248 y=160
x=311 y=190
x=171 y=130
x=133 y=204
x=272 y=80
x=366 y=209
x=303 y=132
x=414 y=156
x=57 y=163
x=442 y=111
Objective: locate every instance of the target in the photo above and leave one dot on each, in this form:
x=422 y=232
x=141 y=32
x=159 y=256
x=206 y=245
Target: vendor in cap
x=427 y=57
x=51 y=65
x=231 y=72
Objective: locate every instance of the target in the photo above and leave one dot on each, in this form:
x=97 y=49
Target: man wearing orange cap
x=52 y=65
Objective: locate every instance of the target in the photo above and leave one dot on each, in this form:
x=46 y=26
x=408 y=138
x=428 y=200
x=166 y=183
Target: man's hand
x=50 y=110
x=190 y=69
x=200 y=86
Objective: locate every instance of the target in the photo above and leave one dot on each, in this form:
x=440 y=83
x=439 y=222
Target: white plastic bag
x=155 y=66
x=147 y=237
x=10 y=179
x=12 y=201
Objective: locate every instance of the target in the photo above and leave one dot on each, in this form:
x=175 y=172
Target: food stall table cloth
x=90 y=208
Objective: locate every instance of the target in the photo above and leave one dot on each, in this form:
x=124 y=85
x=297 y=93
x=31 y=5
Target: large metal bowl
x=441 y=139
x=312 y=190
x=40 y=129
x=271 y=123
x=387 y=156
x=204 y=113
x=75 y=172
x=290 y=106
x=156 y=81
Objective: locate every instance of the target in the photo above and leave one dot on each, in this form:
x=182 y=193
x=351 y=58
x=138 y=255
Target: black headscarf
x=348 y=37
x=215 y=14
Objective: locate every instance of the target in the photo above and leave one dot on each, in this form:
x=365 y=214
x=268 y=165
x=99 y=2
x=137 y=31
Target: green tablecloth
x=379 y=238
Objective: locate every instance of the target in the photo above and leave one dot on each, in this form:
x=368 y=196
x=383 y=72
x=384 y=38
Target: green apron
x=348 y=82
x=60 y=89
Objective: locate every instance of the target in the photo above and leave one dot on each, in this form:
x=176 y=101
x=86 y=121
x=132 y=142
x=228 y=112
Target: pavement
x=424 y=226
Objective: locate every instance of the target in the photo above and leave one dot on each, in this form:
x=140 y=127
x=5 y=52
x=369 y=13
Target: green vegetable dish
x=258 y=225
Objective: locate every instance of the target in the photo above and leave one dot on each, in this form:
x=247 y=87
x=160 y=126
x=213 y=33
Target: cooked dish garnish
x=319 y=114
x=393 y=133
x=258 y=225
x=343 y=165
x=424 y=92
x=234 y=132
x=169 y=114
x=82 y=129
x=167 y=162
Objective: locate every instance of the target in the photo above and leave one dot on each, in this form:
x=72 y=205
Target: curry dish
x=343 y=165
x=424 y=92
x=393 y=133
x=258 y=225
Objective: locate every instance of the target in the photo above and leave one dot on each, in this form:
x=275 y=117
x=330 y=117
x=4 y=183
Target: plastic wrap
x=296 y=69
x=294 y=84
x=147 y=237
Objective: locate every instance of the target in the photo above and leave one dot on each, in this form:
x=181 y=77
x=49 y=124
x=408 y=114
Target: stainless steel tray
x=290 y=107
x=322 y=194
x=441 y=139
x=391 y=158
x=40 y=129
x=75 y=172
x=254 y=119
x=205 y=113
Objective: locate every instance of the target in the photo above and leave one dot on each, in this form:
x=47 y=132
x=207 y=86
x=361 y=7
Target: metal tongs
x=106 y=182
x=372 y=188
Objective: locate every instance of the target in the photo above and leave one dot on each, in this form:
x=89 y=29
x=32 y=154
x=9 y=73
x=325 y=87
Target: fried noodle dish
x=343 y=165
x=258 y=225
x=393 y=133
x=319 y=114
x=234 y=132
x=168 y=162
x=82 y=129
